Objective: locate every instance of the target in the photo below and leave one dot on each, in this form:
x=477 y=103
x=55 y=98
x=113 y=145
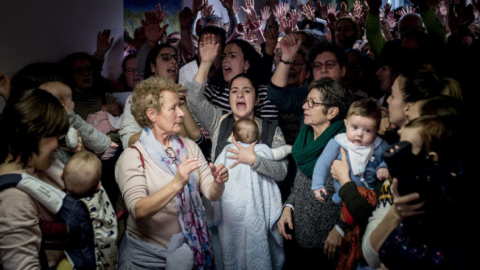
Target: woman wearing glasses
x=161 y=177
x=314 y=228
x=90 y=89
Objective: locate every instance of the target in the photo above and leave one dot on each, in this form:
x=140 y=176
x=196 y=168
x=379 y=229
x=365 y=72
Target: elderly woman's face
x=169 y=119
x=242 y=99
x=166 y=65
x=82 y=74
x=314 y=115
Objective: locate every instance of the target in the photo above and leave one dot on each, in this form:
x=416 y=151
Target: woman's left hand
x=245 y=155
x=220 y=173
x=340 y=169
x=332 y=243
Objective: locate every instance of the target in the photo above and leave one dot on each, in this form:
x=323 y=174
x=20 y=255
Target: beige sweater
x=136 y=183
x=20 y=234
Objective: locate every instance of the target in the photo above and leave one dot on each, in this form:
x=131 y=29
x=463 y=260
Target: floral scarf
x=190 y=210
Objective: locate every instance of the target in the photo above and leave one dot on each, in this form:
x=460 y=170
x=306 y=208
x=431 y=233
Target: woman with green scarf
x=314 y=228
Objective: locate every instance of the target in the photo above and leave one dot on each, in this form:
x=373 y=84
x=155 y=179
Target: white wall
x=48 y=30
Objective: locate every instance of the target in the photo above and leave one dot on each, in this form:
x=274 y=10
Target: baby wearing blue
x=363 y=150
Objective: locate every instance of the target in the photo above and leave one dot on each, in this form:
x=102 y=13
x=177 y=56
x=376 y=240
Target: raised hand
x=442 y=11
x=160 y=13
x=271 y=38
x=280 y=11
x=252 y=37
x=236 y=7
x=308 y=12
x=343 y=9
x=287 y=25
x=240 y=30
x=411 y=9
x=332 y=9
x=392 y=22
x=254 y=24
x=153 y=32
x=104 y=43
x=265 y=13
x=185 y=17
x=387 y=8
x=207 y=10
x=227 y=4
x=294 y=17
x=244 y=155
x=289 y=46
x=208 y=48
x=332 y=21
x=197 y=5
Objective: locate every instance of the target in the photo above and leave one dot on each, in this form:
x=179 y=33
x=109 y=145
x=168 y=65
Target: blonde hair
x=82 y=174
x=451 y=88
x=149 y=94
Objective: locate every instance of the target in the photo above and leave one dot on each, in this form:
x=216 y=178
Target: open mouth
x=227 y=70
x=292 y=75
x=172 y=71
x=241 y=105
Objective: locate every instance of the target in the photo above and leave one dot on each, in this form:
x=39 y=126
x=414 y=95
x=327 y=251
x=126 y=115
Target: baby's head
x=245 y=131
x=362 y=122
x=62 y=92
x=82 y=174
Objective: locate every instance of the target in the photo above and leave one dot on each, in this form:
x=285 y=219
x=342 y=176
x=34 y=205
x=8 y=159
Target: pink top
x=135 y=183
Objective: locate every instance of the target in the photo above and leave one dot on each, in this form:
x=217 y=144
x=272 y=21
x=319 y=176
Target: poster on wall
x=134 y=10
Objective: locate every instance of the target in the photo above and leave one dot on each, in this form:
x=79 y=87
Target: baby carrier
x=91 y=222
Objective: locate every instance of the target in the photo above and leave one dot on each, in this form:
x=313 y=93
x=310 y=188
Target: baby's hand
x=382 y=174
x=318 y=194
x=113 y=145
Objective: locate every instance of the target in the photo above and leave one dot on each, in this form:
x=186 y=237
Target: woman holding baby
x=242 y=98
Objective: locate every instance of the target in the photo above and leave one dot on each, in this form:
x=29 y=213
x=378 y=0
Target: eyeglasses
x=82 y=70
x=330 y=64
x=172 y=40
x=311 y=103
x=131 y=70
x=167 y=57
x=171 y=154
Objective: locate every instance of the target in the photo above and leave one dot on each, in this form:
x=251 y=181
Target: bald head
x=82 y=174
x=409 y=22
x=62 y=92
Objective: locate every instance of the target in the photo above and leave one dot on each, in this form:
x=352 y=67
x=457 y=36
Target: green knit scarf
x=306 y=151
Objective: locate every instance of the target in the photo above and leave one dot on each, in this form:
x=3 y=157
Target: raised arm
x=372 y=27
x=289 y=46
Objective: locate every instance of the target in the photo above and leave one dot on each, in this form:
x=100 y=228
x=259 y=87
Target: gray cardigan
x=209 y=118
x=312 y=220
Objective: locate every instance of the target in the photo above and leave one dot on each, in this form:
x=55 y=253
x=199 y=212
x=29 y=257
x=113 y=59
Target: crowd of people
x=309 y=137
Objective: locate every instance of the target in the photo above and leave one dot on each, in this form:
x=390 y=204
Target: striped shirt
x=218 y=97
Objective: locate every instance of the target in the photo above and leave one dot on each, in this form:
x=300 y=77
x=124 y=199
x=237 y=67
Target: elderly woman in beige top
x=161 y=177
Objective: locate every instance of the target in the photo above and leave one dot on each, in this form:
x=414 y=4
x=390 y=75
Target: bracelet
x=285 y=62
